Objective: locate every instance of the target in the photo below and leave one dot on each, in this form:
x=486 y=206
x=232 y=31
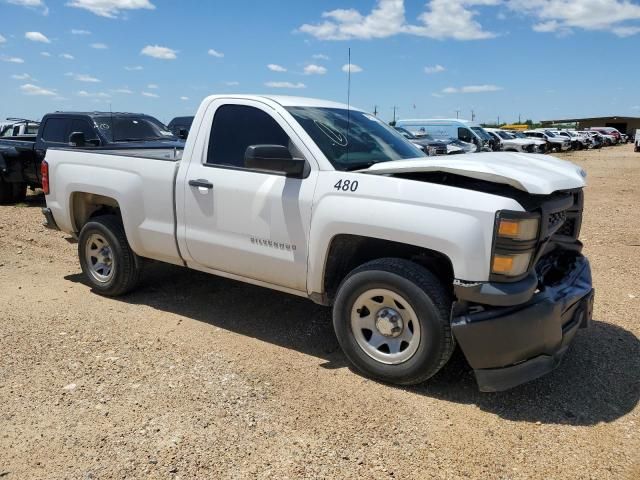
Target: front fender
x=455 y=222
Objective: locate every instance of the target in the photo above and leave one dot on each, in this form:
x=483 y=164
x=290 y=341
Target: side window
x=236 y=127
x=55 y=130
x=83 y=126
x=464 y=134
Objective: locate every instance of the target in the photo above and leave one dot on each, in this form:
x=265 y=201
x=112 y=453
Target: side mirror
x=183 y=133
x=274 y=158
x=76 y=139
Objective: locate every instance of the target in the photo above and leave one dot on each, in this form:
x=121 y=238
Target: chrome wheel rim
x=385 y=326
x=99 y=257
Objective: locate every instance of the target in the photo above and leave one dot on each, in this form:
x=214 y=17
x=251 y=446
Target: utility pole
x=457 y=114
x=394 y=114
x=519 y=121
x=473 y=115
x=498 y=120
x=375 y=110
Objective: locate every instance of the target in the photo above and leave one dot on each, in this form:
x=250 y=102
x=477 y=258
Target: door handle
x=200 y=184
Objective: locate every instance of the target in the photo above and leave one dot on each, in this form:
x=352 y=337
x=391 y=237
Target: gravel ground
x=197 y=376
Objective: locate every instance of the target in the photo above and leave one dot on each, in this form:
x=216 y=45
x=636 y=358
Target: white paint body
x=241 y=228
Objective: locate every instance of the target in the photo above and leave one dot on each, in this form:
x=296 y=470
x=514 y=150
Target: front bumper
x=510 y=345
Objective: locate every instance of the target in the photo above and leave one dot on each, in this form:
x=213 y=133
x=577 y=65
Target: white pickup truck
x=414 y=254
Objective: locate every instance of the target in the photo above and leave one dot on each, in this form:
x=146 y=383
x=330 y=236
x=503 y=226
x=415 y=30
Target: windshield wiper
x=361 y=165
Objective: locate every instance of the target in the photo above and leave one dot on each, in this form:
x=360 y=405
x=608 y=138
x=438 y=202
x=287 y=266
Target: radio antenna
x=348 y=100
x=113 y=132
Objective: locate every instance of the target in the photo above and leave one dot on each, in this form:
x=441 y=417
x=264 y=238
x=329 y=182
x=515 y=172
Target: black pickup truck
x=21 y=156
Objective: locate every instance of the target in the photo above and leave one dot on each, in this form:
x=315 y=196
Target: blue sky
x=538 y=59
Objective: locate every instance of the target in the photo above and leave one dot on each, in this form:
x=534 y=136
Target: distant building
x=623 y=124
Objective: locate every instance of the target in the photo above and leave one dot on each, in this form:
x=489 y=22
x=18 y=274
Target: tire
x=19 y=192
x=115 y=270
x=11 y=192
x=417 y=296
x=6 y=192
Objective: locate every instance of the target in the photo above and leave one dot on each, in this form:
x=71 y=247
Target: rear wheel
x=106 y=258
x=391 y=318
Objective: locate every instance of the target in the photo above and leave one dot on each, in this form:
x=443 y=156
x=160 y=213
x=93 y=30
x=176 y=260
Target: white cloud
x=152 y=86
x=320 y=56
x=77 y=31
x=184 y=98
x=232 y=84
x=99 y=46
x=276 y=68
x=472 y=89
x=2 y=39
x=83 y=77
x=452 y=19
x=156 y=51
x=84 y=93
x=32 y=4
x=123 y=90
x=135 y=68
x=110 y=8
x=36 y=37
x=66 y=56
x=354 y=68
x=285 y=85
x=45 y=54
x=23 y=76
x=563 y=16
x=215 y=53
x=30 y=89
x=442 y=19
x=314 y=70
x=149 y=94
x=12 y=59
x=434 y=69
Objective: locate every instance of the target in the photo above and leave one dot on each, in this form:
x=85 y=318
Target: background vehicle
x=180 y=126
x=19 y=127
x=597 y=140
x=554 y=142
x=431 y=146
x=578 y=141
x=20 y=157
x=611 y=134
x=636 y=141
x=542 y=146
x=442 y=129
x=303 y=196
x=511 y=143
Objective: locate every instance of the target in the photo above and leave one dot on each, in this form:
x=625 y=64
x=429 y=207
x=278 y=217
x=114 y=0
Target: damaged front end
x=515 y=329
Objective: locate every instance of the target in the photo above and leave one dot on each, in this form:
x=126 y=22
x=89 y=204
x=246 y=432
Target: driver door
x=247 y=222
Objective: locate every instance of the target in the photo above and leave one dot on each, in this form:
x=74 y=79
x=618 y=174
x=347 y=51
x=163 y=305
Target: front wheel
x=391 y=318
x=106 y=258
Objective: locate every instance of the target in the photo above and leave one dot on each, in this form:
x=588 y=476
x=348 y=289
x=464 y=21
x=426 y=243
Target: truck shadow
x=598 y=381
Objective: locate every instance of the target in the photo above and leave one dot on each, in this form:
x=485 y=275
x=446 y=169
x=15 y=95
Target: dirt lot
x=196 y=376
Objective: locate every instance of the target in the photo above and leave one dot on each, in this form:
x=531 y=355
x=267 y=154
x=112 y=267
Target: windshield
x=367 y=141
x=481 y=133
x=506 y=136
x=120 y=128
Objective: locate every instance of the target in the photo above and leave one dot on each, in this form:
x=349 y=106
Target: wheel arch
x=347 y=252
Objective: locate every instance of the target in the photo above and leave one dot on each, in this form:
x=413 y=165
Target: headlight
x=514 y=246
x=522 y=229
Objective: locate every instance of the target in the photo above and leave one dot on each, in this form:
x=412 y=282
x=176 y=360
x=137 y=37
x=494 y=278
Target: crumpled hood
x=533 y=173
